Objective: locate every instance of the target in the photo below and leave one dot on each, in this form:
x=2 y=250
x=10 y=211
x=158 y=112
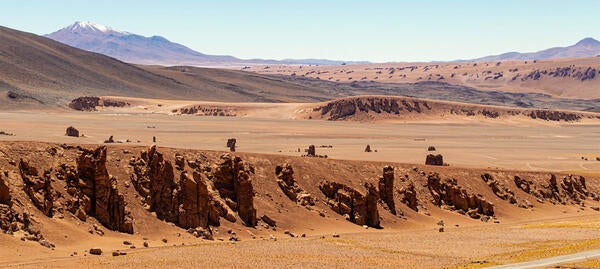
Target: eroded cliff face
x=198 y=198
x=448 y=192
x=356 y=206
x=99 y=189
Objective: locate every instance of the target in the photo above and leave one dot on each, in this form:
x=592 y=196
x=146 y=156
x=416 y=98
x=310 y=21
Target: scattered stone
x=164 y=240
x=268 y=220
x=335 y=235
x=109 y=140
x=127 y=243
x=72 y=131
x=431 y=148
x=368 y=148
x=146 y=244
x=95 y=251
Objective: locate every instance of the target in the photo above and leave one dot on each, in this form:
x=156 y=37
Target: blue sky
x=378 y=31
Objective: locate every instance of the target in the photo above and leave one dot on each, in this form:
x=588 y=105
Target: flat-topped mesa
x=447 y=192
x=357 y=207
x=38 y=188
x=105 y=202
x=386 y=188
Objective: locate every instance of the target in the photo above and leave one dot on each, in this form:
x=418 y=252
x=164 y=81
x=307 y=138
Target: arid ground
x=530 y=221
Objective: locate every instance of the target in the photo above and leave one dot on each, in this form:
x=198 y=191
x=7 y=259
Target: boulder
x=434 y=160
x=72 y=131
x=311 y=152
x=368 y=148
x=231 y=144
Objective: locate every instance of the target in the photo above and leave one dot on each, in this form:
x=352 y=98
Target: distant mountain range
x=587 y=47
x=155 y=50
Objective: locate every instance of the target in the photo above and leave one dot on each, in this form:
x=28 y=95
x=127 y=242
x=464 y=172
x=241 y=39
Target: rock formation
x=448 y=192
x=231 y=144
x=386 y=188
x=198 y=200
x=357 y=207
x=434 y=160
x=368 y=148
x=38 y=188
x=71 y=131
x=311 y=152
x=408 y=196
x=232 y=180
x=105 y=202
x=287 y=184
x=194 y=209
x=5 y=197
x=499 y=189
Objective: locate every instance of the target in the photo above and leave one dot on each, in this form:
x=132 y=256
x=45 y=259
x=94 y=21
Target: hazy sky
x=416 y=30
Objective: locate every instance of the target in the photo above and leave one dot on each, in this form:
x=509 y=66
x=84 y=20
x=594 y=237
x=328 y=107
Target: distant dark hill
x=39 y=71
x=587 y=47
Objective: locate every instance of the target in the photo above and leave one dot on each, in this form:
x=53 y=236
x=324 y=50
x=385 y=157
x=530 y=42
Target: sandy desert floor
x=468 y=143
x=464 y=244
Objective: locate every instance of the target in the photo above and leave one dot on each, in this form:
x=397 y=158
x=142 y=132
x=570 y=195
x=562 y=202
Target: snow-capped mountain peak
x=90 y=27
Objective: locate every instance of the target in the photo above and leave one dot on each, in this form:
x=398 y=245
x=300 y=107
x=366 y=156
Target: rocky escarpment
x=212 y=191
x=448 y=193
x=99 y=189
x=364 y=108
x=288 y=185
x=345 y=108
x=206 y=110
x=386 y=188
x=571 y=189
x=38 y=188
x=90 y=103
x=357 y=207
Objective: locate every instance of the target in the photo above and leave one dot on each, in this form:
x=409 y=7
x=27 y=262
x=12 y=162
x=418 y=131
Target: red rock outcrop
x=386 y=188
x=38 y=188
x=448 y=192
x=5 y=197
x=194 y=207
x=357 y=207
x=72 y=131
x=499 y=189
x=231 y=144
x=408 y=196
x=231 y=178
x=198 y=200
x=434 y=159
x=105 y=202
x=287 y=184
